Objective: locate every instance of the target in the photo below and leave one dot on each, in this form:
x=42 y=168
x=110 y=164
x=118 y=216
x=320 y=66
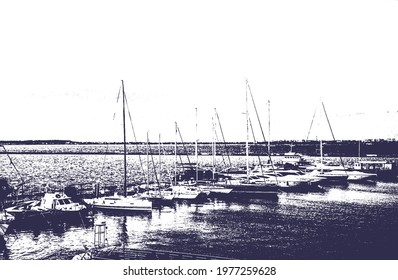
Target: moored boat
x=51 y=205
x=120 y=203
x=131 y=203
x=383 y=169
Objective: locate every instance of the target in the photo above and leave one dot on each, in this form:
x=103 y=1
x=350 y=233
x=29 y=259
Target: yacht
x=120 y=203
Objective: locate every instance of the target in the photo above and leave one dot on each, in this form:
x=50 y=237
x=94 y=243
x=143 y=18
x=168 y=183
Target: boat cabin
x=374 y=165
x=59 y=201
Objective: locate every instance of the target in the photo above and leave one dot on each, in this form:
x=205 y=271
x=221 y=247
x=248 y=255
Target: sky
x=62 y=62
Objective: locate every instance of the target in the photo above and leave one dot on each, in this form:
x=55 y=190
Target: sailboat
x=321 y=171
x=155 y=192
x=183 y=190
x=249 y=185
x=208 y=186
x=121 y=202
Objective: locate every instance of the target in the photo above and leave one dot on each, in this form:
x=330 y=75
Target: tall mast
x=196 y=143
x=175 y=154
x=147 y=159
x=247 y=135
x=213 y=147
x=124 y=142
x=269 y=128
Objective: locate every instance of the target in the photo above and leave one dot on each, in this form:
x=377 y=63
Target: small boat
x=186 y=192
x=51 y=205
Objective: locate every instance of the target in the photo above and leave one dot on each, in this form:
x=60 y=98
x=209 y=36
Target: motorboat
x=51 y=204
x=352 y=174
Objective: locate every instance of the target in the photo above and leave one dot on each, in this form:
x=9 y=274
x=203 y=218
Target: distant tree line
x=350 y=148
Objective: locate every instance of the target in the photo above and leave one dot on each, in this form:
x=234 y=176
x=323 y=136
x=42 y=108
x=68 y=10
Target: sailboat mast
x=247 y=135
x=175 y=154
x=269 y=128
x=147 y=160
x=196 y=144
x=124 y=142
x=213 y=148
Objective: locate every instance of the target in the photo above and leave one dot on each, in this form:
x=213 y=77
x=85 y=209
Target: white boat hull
x=120 y=203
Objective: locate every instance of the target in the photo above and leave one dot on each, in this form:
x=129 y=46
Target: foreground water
x=358 y=221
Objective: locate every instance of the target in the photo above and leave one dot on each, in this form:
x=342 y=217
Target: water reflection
x=339 y=223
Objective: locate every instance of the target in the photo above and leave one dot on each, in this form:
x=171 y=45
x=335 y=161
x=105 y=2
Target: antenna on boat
x=124 y=141
x=321 y=150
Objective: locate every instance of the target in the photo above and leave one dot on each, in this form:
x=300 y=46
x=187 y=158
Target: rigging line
x=312 y=121
x=222 y=154
x=135 y=137
x=167 y=169
x=327 y=118
x=177 y=153
x=255 y=145
x=183 y=145
x=117 y=101
x=223 y=138
x=153 y=162
x=262 y=131
x=13 y=165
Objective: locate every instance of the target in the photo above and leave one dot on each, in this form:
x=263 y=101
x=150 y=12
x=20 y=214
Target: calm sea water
x=358 y=221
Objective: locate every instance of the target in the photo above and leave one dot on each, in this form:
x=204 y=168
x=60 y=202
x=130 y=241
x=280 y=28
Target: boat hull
x=117 y=203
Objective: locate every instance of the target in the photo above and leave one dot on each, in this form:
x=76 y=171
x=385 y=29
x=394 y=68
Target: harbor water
x=354 y=221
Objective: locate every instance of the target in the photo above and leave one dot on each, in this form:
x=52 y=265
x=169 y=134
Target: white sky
x=61 y=66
